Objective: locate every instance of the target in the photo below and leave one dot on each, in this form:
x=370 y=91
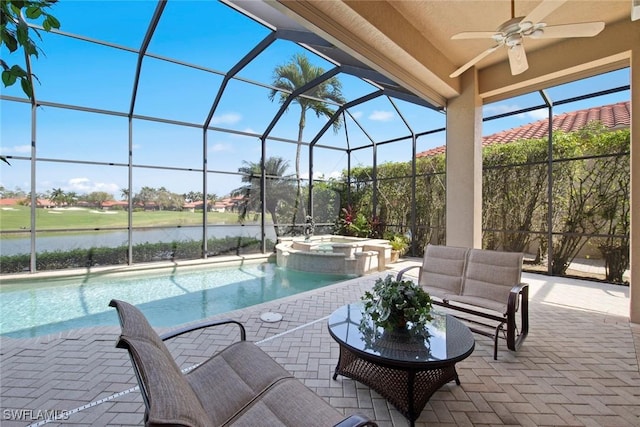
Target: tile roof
x=613 y=116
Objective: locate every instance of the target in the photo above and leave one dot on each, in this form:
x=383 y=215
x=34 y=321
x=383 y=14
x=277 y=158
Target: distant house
x=219 y=206
x=9 y=202
x=228 y=204
x=26 y=201
x=193 y=206
x=115 y=204
x=613 y=116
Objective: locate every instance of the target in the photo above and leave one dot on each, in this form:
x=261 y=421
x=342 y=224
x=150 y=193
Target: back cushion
x=135 y=324
x=171 y=400
x=443 y=267
x=492 y=274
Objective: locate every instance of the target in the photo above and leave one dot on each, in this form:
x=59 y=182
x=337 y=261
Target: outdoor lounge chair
x=239 y=386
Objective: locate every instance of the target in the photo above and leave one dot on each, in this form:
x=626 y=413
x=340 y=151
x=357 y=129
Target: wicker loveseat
x=239 y=386
x=483 y=285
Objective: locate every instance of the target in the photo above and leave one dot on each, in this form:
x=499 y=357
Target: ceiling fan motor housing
x=514 y=30
x=512 y=33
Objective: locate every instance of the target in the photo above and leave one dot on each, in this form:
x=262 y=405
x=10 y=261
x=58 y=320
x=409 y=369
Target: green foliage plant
x=15 y=33
x=399 y=243
x=588 y=189
x=352 y=223
x=142 y=253
x=395 y=304
x=513 y=192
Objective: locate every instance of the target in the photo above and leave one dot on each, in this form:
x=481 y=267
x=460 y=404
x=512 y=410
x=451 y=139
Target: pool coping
x=124 y=270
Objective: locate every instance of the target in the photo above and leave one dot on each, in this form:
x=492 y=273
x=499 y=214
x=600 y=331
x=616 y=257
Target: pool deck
x=578 y=366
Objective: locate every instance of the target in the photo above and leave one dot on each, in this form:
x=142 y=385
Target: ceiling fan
x=512 y=33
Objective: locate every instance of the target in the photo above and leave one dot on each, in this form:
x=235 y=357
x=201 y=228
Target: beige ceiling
x=410 y=41
x=439 y=20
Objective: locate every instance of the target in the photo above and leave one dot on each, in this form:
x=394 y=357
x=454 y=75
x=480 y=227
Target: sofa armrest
x=203 y=325
x=404 y=270
x=518 y=300
x=356 y=420
x=513 y=303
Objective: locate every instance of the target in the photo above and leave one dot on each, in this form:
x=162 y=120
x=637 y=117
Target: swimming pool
x=167 y=299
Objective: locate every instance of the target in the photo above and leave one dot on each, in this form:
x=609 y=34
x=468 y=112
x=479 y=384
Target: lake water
x=112 y=239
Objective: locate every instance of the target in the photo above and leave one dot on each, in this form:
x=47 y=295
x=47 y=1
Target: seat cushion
x=443 y=269
x=490 y=275
x=478 y=302
x=288 y=403
x=232 y=379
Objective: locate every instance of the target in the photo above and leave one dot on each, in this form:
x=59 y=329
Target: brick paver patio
x=578 y=367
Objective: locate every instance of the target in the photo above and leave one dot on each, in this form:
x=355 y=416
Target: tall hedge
x=591 y=179
x=144 y=252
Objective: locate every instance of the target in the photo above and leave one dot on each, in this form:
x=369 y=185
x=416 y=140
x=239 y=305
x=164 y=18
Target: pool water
x=167 y=300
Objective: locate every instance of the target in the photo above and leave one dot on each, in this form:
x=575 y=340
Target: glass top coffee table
x=404 y=367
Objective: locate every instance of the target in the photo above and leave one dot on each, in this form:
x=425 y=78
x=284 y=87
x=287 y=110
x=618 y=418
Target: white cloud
x=79 y=181
x=381 y=116
x=226 y=119
x=540 y=114
x=85 y=186
x=16 y=149
x=497 y=109
x=249 y=130
x=322 y=175
x=219 y=147
x=357 y=114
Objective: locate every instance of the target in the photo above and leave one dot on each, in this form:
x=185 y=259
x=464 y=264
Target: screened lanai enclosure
x=177 y=130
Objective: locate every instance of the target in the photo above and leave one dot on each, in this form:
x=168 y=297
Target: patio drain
x=271 y=317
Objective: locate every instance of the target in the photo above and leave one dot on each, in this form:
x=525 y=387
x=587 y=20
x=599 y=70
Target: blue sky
x=213 y=36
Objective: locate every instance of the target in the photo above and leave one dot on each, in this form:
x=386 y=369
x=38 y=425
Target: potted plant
x=399 y=246
x=397 y=305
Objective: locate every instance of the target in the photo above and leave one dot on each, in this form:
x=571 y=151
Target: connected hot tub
x=333 y=254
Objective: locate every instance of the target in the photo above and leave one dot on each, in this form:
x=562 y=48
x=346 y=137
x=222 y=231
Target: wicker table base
x=408 y=390
x=406 y=366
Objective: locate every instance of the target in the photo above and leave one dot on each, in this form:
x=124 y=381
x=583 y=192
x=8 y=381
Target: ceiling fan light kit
x=513 y=32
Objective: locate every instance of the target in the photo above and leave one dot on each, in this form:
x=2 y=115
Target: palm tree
x=277 y=188
x=57 y=196
x=293 y=75
x=71 y=198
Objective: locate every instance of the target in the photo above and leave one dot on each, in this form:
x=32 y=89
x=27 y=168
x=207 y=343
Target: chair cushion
x=443 y=269
x=285 y=404
x=477 y=302
x=171 y=399
x=135 y=324
x=231 y=380
x=490 y=275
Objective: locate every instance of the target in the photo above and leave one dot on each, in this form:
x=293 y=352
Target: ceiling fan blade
x=473 y=35
x=542 y=10
x=475 y=60
x=586 y=29
x=518 y=59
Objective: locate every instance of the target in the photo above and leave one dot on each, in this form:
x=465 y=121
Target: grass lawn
x=18 y=218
